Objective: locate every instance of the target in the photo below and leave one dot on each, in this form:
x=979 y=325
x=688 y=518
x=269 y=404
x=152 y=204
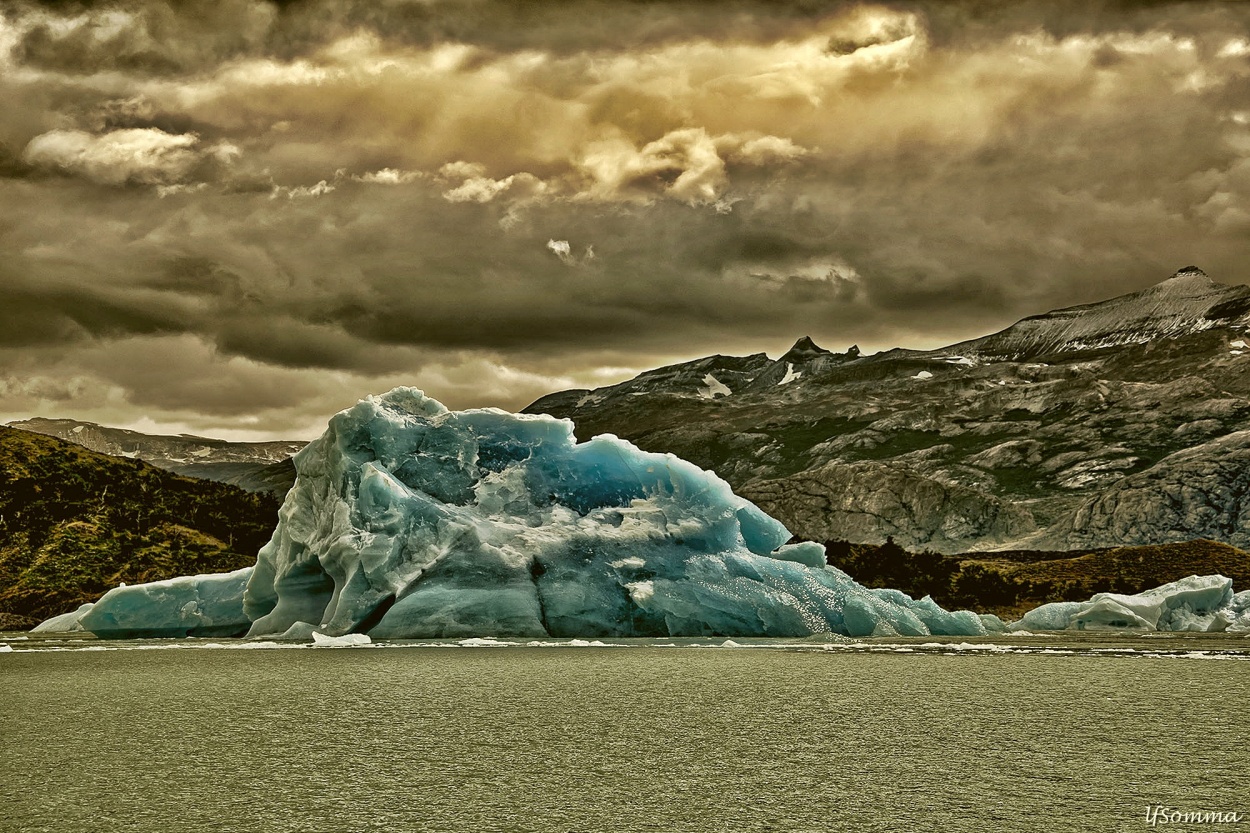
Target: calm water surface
x=902 y=737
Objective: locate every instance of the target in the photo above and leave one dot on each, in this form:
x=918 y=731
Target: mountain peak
x=1190 y=275
x=806 y=345
x=803 y=350
x=1187 y=302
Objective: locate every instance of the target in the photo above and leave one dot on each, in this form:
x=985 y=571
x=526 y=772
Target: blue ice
x=408 y=520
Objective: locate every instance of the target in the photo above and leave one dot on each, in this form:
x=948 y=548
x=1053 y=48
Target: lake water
x=1013 y=734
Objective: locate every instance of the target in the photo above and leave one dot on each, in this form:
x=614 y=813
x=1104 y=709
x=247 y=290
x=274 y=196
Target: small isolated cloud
x=563 y=250
x=759 y=150
x=163 y=191
x=389 y=176
x=140 y=155
x=302 y=191
x=475 y=186
x=560 y=248
x=687 y=165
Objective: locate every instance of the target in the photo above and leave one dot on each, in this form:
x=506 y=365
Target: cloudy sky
x=238 y=217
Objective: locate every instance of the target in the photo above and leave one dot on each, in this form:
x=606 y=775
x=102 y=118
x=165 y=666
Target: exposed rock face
x=864 y=501
x=1065 y=429
x=1201 y=492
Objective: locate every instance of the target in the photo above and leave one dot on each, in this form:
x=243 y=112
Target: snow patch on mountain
x=713 y=388
x=791 y=374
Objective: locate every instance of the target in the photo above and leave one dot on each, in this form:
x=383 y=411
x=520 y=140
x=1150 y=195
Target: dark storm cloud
x=244 y=215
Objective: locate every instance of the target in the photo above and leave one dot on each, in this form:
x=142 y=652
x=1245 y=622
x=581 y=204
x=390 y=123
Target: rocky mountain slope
x=74 y=523
x=255 y=467
x=1109 y=424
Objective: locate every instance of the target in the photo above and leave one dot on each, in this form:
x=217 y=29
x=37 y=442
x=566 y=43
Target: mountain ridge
x=1039 y=435
x=252 y=466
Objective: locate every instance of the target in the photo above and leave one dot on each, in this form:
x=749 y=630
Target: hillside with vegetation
x=75 y=523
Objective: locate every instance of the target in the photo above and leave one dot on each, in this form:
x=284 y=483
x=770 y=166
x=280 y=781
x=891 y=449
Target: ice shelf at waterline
x=409 y=520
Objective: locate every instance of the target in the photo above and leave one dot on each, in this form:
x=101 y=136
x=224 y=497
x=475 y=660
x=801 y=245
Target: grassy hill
x=74 y=523
x=1011 y=582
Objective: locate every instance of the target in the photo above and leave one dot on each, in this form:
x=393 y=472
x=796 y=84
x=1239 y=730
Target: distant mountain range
x=1118 y=423
x=255 y=467
x=1125 y=422
x=1108 y=425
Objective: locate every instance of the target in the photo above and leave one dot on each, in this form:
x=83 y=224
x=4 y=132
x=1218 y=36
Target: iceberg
x=1202 y=604
x=207 y=605
x=408 y=520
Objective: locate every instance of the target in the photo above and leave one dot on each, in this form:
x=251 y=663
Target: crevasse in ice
x=409 y=520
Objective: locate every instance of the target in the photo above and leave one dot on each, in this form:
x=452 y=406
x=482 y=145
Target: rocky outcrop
x=1201 y=492
x=869 y=501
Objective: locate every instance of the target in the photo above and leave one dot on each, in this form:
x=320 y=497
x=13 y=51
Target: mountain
x=1118 y=423
x=1188 y=302
x=75 y=523
x=255 y=467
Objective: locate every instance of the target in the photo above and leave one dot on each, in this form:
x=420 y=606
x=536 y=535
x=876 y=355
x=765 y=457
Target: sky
x=237 y=218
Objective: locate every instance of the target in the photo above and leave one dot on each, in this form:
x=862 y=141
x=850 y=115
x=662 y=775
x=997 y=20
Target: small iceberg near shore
x=1197 y=604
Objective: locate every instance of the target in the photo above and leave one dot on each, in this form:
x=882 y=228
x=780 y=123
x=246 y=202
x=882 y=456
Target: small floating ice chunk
x=924 y=374
x=729 y=643
x=6 y=648
x=1238 y=344
x=347 y=640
